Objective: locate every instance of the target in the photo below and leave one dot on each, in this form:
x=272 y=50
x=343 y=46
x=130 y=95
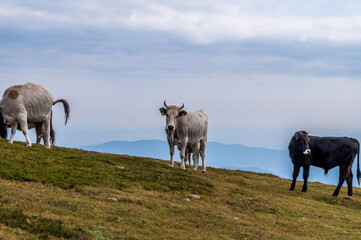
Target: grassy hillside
x=74 y=194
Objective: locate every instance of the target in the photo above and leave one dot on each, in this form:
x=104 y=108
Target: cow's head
x=302 y=142
x=172 y=113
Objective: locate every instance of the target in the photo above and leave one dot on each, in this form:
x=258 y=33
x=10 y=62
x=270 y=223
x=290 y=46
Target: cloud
x=251 y=65
x=198 y=23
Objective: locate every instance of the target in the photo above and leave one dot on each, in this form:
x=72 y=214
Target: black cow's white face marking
x=307 y=151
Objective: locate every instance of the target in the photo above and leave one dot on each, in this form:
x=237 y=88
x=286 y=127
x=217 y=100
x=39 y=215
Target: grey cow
x=29 y=102
x=186 y=129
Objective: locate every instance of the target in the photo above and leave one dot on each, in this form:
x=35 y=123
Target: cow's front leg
x=182 y=153
x=306 y=172
x=296 y=171
x=171 y=151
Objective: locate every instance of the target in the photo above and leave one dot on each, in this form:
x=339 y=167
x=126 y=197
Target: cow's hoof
x=11 y=142
x=195 y=169
x=170 y=165
x=203 y=170
x=304 y=190
x=29 y=145
x=349 y=197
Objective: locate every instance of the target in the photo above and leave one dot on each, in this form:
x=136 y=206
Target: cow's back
x=328 y=152
x=34 y=98
x=195 y=125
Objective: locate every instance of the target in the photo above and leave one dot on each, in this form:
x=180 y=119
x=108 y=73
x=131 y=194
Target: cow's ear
x=182 y=113
x=163 y=111
x=297 y=136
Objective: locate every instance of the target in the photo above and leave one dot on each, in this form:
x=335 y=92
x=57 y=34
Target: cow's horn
x=165 y=105
x=182 y=107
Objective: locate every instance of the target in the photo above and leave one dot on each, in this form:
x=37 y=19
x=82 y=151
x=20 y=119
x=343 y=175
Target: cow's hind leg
x=341 y=180
x=46 y=124
x=349 y=177
x=24 y=127
x=188 y=156
x=39 y=132
x=203 y=144
x=195 y=156
x=14 y=127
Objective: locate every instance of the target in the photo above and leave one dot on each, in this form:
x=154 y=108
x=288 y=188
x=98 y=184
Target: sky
x=260 y=70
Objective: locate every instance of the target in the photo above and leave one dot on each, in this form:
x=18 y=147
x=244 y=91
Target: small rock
x=120 y=167
x=236 y=218
x=186 y=199
x=112 y=199
x=195 y=196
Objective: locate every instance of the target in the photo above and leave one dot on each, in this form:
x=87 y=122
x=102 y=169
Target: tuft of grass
x=35 y=225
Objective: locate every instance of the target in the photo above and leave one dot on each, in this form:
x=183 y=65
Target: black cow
x=326 y=153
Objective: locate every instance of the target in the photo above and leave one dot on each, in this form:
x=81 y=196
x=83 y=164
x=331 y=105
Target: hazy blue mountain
x=220 y=155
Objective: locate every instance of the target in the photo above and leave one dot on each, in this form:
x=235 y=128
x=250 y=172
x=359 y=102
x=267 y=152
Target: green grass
x=70 y=168
x=73 y=194
x=35 y=225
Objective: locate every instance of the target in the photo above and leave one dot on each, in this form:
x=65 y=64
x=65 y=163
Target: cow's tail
x=66 y=108
x=358 y=163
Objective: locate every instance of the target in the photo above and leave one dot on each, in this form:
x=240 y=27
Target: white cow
x=29 y=102
x=186 y=129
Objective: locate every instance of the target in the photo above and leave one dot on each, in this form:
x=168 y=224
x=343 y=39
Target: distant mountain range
x=229 y=156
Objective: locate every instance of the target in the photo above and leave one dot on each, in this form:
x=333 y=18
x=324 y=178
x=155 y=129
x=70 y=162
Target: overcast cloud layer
x=198 y=21
x=260 y=70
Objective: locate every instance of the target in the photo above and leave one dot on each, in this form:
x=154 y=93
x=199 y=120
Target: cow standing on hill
x=186 y=129
x=326 y=153
x=31 y=103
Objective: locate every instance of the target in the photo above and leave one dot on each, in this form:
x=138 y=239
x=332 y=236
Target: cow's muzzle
x=170 y=127
x=307 y=151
